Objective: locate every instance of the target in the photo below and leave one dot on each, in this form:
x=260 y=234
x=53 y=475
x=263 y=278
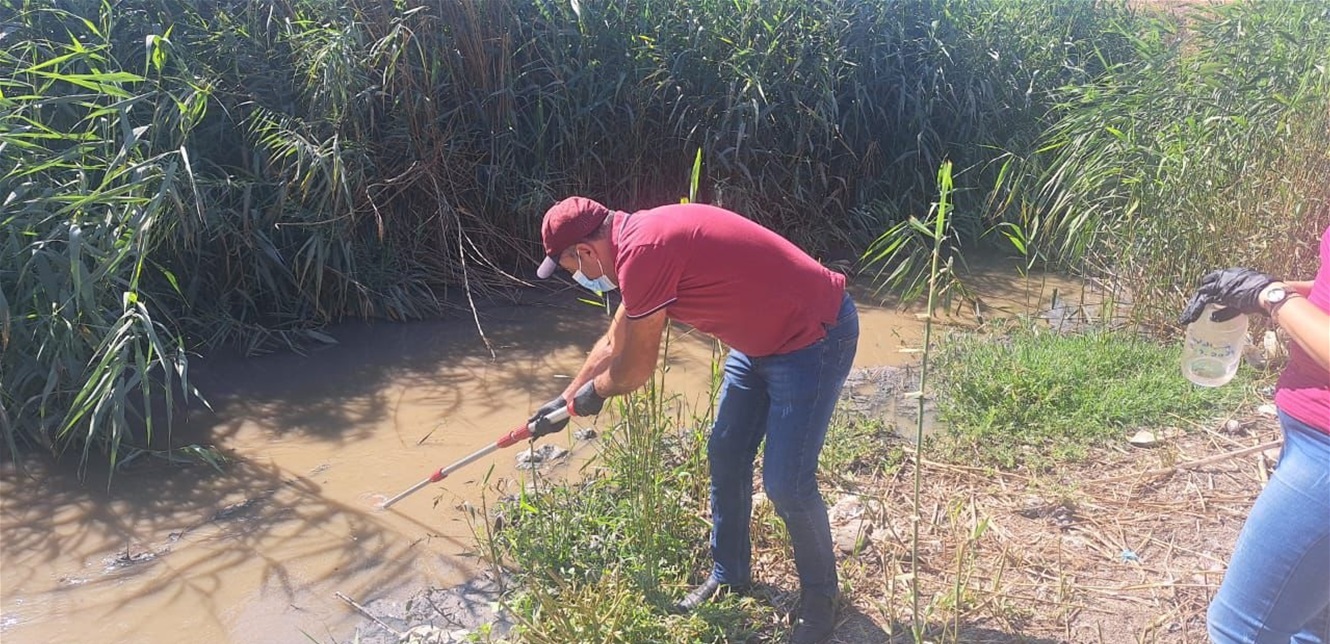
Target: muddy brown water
x=257 y=552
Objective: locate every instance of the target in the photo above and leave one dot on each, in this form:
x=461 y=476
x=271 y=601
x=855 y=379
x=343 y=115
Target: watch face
x=1276 y=295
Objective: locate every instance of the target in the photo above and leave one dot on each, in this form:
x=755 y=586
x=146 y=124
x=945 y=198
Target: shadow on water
x=210 y=540
x=340 y=392
x=262 y=546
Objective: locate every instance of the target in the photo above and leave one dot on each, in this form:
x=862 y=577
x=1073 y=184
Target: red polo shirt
x=725 y=276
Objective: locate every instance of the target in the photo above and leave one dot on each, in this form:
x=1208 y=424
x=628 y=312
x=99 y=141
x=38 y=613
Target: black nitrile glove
x=1236 y=290
x=542 y=425
x=587 y=402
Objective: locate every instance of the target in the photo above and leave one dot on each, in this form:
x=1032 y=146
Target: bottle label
x=1205 y=349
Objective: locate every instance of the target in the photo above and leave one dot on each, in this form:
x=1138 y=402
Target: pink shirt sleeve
x=648 y=279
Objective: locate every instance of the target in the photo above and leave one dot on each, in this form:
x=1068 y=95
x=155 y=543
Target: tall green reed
x=920 y=240
x=366 y=159
x=1207 y=151
x=95 y=178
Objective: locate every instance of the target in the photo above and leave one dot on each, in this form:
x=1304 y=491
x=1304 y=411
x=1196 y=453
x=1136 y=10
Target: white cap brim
x=546 y=268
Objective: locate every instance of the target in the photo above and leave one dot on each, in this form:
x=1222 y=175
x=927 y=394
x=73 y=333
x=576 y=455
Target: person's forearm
x=1308 y=325
x=601 y=356
x=597 y=362
x=636 y=344
x=622 y=376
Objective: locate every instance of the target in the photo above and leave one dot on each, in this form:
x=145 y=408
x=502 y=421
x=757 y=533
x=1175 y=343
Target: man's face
x=582 y=257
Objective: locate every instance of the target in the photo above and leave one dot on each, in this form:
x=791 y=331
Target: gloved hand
x=1237 y=290
x=542 y=425
x=587 y=402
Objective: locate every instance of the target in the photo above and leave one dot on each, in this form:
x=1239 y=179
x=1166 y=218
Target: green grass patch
x=611 y=610
x=604 y=560
x=856 y=446
x=1034 y=397
x=585 y=572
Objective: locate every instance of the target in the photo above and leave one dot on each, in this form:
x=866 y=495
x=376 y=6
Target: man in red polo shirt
x=792 y=332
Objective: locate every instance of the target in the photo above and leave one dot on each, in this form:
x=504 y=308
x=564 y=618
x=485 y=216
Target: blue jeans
x=1277 y=588
x=788 y=399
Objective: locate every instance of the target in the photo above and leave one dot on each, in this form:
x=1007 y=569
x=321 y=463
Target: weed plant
x=604 y=559
x=858 y=446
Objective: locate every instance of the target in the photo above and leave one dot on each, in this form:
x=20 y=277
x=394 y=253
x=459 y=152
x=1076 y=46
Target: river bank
x=1125 y=546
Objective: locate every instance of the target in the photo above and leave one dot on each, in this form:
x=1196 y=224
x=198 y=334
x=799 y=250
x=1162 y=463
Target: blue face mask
x=600 y=286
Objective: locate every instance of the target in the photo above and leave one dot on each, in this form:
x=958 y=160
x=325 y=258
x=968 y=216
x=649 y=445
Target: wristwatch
x=1272 y=296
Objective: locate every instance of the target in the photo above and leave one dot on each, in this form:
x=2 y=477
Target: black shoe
x=816 y=620
x=712 y=587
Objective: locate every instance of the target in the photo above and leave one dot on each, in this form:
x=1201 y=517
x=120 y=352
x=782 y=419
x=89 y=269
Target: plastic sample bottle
x=1213 y=350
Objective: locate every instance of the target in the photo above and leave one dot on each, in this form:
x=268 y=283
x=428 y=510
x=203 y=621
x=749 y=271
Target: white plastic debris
x=546 y=453
x=850 y=528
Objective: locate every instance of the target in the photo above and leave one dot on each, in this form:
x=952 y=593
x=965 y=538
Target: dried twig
x=987 y=472
x=1188 y=465
x=426 y=436
x=466 y=276
x=366 y=613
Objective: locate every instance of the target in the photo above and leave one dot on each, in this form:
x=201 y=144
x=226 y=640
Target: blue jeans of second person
x=1277 y=588
x=788 y=399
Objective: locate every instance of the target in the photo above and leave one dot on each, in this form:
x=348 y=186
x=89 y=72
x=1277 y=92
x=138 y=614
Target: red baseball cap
x=567 y=223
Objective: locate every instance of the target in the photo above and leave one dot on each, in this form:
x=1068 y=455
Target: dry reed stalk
x=1188 y=465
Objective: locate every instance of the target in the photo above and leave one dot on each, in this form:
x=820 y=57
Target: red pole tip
x=514 y=437
x=437 y=476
